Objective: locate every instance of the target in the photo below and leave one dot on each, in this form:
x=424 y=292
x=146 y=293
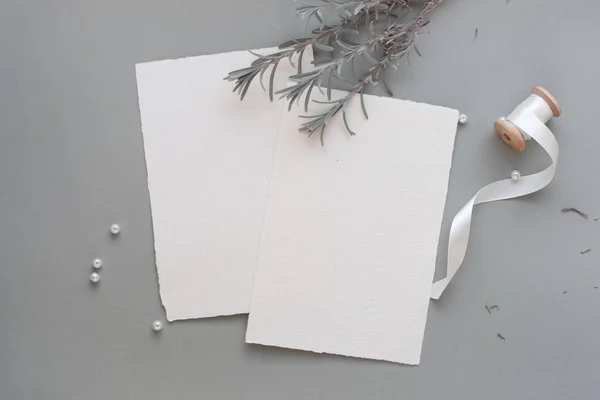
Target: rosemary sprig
x=364 y=12
x=395 y=42
x=383 y=49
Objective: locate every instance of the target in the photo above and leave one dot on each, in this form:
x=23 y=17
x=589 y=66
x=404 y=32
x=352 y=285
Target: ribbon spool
x=510 y=133
x=527 y=121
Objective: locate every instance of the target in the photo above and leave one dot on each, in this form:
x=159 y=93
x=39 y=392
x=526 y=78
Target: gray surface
x=71 y=163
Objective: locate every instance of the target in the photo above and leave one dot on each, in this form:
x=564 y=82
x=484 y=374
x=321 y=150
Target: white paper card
x=209 y=158
x=351 y=232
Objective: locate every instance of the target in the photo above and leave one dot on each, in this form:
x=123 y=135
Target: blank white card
x=209 y=158
x=351 y=231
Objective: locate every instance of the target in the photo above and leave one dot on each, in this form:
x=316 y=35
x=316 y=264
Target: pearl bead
x=515 y=175
x=157 y=326
x=97 y=263
x=115 y=229
x=462 y=119
x=95 y=277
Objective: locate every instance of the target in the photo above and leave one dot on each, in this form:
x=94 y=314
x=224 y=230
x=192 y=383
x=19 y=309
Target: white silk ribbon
x=530 y=119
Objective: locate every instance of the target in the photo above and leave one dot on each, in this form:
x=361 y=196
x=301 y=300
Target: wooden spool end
x=551 y=100
x=511 y=134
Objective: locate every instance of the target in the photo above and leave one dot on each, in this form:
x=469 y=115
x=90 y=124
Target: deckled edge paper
x=209 y=158
x=351 y=232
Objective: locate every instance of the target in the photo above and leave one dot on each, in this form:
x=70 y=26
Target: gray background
x=72 y=163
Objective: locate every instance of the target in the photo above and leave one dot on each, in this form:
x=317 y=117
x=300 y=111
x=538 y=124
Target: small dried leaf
x=322 y=46
x=387 y=88
x=272 y=81
x=330 y=114
x=362 y=105
x=268 y=56
x=346 y=123
x=301 y=54
x=293 y=42
x=326 y=102
x=238 y=85
x=308 y=93
x=417 y=50
x=576 y=211
x=318 y=16
x=347 y=102
x=257 y=62
x=247 y=85
x=329 y=85
x=353 y=68
x=259 y=56
x=291 y=61
x=319 y=86
x=344 y=45
x=297 y=98
x=304 y=75
x=239 y=73
x=339 y=68
x=308 y=117
x=289 y=43
x=261 y=79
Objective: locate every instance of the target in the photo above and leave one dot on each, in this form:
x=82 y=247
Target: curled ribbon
x=530 y=118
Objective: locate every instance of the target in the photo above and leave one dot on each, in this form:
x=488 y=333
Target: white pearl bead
x=115 y=229
x=462 y=119
x=515 y=175
x=97 y=263
x=157 y=326
x=95 y=277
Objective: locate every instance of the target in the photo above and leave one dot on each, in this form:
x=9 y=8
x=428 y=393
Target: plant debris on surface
x=490 y=308
x=501 y=337
x=382 y=49
x=576 y=211
x=586 y=251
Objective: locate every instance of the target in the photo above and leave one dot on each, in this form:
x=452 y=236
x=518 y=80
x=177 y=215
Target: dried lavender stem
x=389 y=46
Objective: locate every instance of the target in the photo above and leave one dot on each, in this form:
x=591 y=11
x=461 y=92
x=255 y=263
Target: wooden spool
x=511 y=134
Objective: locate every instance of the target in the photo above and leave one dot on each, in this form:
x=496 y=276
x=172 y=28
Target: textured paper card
x=209 y=158
x=351 y=232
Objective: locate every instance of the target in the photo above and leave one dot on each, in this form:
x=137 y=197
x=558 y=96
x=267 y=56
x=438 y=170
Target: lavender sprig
x=383 y=49
x=395 y=42
x=364 y=13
